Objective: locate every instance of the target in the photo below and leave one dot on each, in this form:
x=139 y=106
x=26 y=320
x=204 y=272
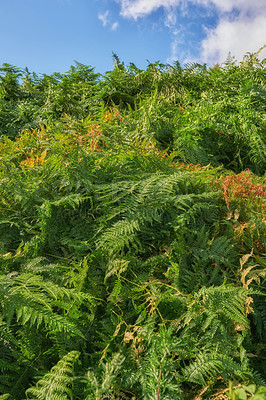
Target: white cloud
x=239 y=36
x=241 y=5
x=114 y=26
x=104 y=18
x=139 y=8
x=241 y=26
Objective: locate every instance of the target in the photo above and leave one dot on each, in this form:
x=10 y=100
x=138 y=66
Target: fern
x=9 y=346
x=210 y=366
x=33 y=300
x=104 y=384
x=121 y=230
x=144 y=206
x=56 y=384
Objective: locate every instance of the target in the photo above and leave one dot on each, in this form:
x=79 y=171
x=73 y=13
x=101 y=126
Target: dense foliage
x=132 y=232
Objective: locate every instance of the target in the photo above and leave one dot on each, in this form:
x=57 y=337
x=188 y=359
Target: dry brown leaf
x=244 y=259
x=244 y=274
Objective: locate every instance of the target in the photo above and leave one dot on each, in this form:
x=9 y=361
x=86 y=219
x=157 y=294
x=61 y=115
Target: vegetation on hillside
x=132 y=232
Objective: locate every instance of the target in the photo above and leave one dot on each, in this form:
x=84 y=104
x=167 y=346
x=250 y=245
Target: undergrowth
x=132 y=233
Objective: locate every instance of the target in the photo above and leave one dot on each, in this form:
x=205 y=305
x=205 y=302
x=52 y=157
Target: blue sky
x=48 y=35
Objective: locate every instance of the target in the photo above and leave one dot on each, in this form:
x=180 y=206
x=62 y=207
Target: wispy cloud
x=140 y=8
x=170 y=18
x=174 y=51
x=104 y=18
x=114 y=26
x=241 y=25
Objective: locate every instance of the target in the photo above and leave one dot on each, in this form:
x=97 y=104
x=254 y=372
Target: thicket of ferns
x=132 y=232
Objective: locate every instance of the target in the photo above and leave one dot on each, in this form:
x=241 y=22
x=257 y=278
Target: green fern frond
x=140 y=206
x=56 y=384
x=227 y=301
x=33 y=300
x=215 y=321
x=116 y=267
x=104 y=383
x=210 y=365
x=120 y=236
